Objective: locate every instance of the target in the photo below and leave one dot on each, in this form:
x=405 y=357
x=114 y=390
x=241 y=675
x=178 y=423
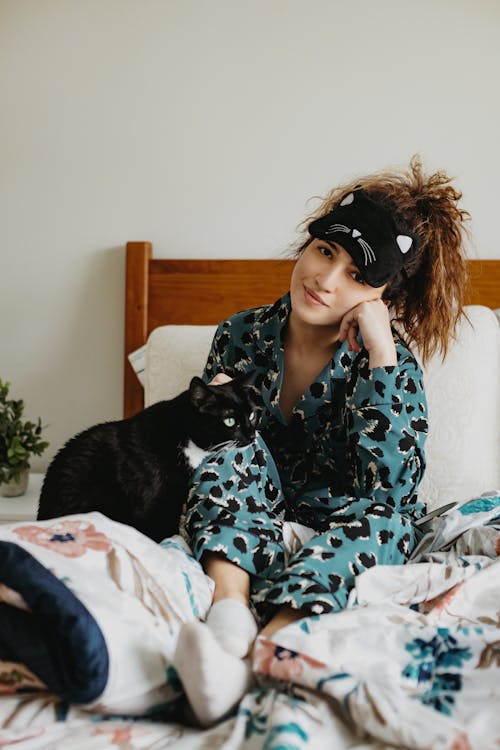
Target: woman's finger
x=220 y=379
x=352 y=337
x=345 y=324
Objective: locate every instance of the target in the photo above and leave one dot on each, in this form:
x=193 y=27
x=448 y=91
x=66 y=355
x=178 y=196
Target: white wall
x=204 y=126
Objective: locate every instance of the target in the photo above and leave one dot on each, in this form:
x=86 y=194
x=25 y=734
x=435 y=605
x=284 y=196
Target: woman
x=341 y=414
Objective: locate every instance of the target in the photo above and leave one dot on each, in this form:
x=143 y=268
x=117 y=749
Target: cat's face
x=221 y=413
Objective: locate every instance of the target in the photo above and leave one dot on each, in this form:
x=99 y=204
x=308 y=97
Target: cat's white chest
x=194 y=454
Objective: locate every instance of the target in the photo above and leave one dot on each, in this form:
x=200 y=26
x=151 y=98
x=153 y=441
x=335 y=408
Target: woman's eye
x=229 y=421
x=357 y=277
x=326 y=251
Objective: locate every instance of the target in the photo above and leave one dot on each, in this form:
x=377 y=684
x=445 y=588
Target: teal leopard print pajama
x=347 y=465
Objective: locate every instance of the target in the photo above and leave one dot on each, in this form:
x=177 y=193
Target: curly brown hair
x=428 y=295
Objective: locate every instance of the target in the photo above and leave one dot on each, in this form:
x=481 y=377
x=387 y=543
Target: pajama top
x=357 y=431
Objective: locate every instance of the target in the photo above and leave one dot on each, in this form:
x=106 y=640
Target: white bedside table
x=24 y=507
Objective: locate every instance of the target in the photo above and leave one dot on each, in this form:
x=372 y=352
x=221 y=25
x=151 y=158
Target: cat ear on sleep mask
x=368 y=232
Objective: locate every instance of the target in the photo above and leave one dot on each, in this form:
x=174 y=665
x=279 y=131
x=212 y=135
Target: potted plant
x=19 y=440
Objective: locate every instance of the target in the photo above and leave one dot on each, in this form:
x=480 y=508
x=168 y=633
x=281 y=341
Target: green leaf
x=18 y=439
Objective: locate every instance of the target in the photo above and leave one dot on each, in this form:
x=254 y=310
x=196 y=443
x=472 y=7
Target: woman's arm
x=386 y=422
x=371 y=320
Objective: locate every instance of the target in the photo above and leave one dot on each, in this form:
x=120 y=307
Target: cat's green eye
x=229 y=421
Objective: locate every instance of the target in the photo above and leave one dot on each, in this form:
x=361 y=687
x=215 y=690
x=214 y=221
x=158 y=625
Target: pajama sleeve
x=386 y=423
x=221 y=355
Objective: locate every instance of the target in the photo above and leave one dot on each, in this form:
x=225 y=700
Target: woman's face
x=326 y=283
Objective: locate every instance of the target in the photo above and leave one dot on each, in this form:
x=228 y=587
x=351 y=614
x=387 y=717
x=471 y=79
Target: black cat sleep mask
x=369 y=233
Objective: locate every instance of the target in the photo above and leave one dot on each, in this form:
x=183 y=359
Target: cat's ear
x=247 y=379
x=198 y=391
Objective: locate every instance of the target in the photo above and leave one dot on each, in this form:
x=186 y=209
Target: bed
x=413 y=662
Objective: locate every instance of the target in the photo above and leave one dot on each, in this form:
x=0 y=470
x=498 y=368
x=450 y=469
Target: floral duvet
x=413 y=662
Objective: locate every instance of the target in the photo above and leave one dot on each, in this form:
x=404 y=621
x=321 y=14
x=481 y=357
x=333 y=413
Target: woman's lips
x=312 y=298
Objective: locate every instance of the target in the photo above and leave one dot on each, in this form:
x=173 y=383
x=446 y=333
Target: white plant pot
x=14 y=489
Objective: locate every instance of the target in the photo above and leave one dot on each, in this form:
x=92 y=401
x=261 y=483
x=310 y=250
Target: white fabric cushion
x=174 y=354
x=463 y=393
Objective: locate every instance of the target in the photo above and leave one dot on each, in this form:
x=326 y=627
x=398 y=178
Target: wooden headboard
x=204 y=292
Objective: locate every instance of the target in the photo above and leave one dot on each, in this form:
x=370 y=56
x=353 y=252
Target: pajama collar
x=268 y=330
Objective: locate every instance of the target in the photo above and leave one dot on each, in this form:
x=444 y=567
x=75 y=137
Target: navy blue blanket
x=59 y=640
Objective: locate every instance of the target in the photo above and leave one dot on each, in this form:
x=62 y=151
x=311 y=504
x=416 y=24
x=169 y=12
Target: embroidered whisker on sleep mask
x=368 y=232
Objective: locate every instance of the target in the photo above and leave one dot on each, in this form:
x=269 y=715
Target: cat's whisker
x=221 y=446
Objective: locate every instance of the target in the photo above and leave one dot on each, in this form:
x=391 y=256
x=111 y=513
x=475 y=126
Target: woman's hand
x=372 y=321
x=220 y=379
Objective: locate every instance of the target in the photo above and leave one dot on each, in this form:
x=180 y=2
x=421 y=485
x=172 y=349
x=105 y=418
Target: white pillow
x=463 y=393
x=174 y=354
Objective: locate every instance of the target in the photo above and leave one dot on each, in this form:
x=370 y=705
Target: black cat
x=137 y=470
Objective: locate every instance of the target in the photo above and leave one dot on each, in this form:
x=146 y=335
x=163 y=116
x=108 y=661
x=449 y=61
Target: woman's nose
x=329 y=280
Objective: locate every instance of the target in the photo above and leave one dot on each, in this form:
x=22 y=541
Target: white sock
x=213 y=680
x=233 y=625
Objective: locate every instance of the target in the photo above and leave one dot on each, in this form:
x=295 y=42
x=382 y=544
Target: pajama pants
x=236 y=507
